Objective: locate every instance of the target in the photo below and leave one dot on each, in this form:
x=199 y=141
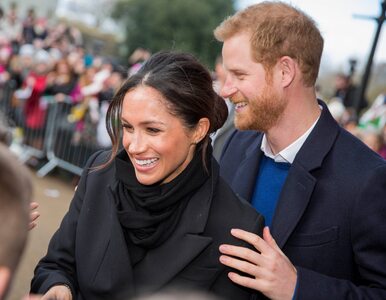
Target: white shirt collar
x=288 y=154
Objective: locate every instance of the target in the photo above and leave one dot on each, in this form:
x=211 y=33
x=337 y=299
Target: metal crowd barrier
x=59 y=139
x=63 y=149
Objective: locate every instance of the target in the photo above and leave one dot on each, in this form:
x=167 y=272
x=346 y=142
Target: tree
x=184 y=25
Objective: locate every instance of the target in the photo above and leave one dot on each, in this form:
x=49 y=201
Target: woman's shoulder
x=232 y=211
x=95 y=166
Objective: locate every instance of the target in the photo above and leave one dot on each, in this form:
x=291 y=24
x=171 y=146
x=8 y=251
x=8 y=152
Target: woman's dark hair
x=187 y=87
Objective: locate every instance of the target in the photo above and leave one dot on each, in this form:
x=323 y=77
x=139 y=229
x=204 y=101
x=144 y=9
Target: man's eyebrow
x=236 y=71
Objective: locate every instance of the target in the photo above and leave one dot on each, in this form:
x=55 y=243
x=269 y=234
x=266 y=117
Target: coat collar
x=300 y=183
x=185 y=244
x=161 y=264
x=248 y=169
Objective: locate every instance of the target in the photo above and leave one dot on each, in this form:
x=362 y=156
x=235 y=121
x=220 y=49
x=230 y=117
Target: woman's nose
x=137 y=144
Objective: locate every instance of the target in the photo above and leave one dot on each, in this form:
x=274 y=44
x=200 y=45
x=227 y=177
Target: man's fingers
x=244 y=281
x=270 y=240
x=240 y=265
x=252 y=239
x=241 y=252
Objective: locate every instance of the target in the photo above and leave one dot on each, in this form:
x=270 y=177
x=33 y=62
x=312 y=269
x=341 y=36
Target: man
x=322 y=191
x=221 y=136
x=15 y=191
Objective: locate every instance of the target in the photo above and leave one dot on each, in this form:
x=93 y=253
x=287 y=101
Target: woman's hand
x=33 y=215
x=58 y=292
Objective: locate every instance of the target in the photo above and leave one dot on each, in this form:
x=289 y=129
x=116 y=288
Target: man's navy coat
x=330 y=219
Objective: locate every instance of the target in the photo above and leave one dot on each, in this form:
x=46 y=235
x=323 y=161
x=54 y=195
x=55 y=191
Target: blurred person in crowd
x=160 y=196
x=1 y=19
x=346 y=91
x=92 y=84
x=111 y=85
x=16 y=194
x=20 y=66
x=5 y=132
x=85 y=127
x=137 y=59
x=337 y=110
x=75 y=36
x=5 y=54
x=40 y=29
x=372 y=139
x=12 y=28
x=62 y=82
x=221 y=136
x=382 y=151
x=103 y=69
x=28 y=32
x=351 y=125
x=29 y=99
x=321 y=190
x=375 y=116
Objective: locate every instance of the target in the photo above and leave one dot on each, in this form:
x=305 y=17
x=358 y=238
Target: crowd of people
x=293 y=206
x=370 y=125
x=39 y=59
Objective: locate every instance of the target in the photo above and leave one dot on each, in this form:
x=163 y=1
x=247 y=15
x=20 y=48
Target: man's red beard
x=262 y=112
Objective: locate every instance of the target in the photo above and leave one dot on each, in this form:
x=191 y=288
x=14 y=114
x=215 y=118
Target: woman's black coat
x=89 y=252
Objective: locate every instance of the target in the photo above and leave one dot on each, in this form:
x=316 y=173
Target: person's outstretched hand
x=34 y=215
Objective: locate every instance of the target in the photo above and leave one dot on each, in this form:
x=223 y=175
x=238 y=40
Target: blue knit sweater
x=269 y=183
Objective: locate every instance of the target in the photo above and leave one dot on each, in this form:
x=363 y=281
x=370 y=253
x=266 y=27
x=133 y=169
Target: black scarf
x=150 y=213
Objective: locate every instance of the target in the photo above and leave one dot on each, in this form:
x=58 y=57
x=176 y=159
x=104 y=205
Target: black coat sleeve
x=59 y=266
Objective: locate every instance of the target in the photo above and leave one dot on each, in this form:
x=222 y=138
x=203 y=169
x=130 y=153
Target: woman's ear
x=201 y=130
x=287 y=67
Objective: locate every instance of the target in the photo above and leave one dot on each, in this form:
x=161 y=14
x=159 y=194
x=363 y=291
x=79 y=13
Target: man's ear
x=5 y=276
x=287 y=66
x=201 y=130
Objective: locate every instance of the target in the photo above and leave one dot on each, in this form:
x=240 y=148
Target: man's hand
x=270 y=271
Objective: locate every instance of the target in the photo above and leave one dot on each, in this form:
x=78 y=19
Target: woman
x=153 y=215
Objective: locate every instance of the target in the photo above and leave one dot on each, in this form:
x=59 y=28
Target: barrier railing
x=64 y=146
x=54 y=136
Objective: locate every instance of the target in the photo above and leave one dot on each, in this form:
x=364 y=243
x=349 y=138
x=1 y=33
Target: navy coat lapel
x=245 y=178
x=300 y=183
x=161 y=265
x=292 y=203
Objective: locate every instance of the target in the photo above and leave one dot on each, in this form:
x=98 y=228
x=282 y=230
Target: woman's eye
x=153 y=130
x=127 y=127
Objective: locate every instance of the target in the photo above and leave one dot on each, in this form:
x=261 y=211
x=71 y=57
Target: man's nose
x=228 y=89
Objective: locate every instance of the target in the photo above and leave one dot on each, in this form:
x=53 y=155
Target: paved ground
x=54 y=194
